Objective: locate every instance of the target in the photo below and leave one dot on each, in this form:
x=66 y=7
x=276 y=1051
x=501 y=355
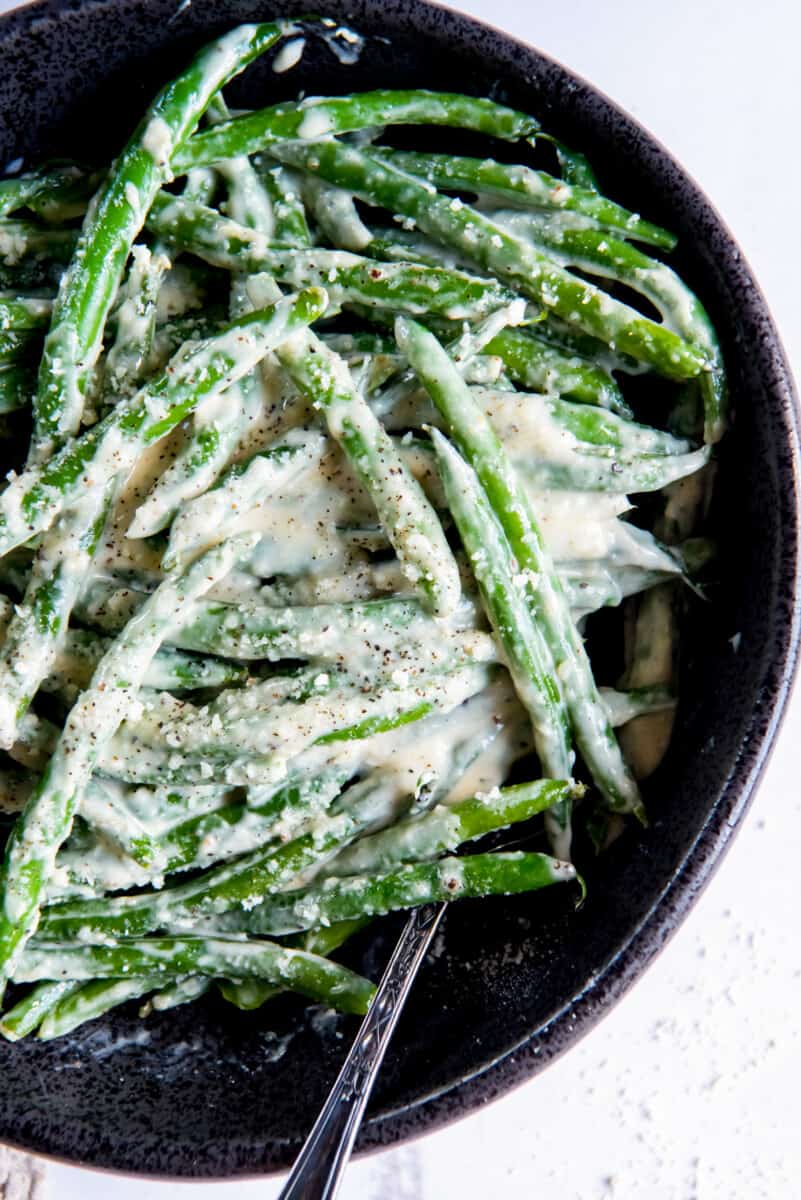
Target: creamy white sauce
x=289 y=55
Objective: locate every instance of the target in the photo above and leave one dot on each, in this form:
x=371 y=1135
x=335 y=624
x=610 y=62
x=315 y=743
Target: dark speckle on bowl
x=205 y=1091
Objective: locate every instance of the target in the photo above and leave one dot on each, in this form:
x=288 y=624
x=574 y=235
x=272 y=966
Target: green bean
x=247 y=994
x=289 y=215
x=526 y=187
x=22 y=241
x=247 y=202
x=348 y=278
x=104 y=807
x=645 y=474
x=463 y=349
x=536 y=366
x=58 y=193
x=33 y=499
x=512 y=509
x=117 y=214
x=203 y=839
x=590 y=587
x=681 y=310
x=17 y=385
x=407 y=886
x=28 y=1013
x=243 y=750
x=239 y=884
x=24 y=312
x=411 y=523
x=250 y=994
x=238 y=828
x=575 y=167
x=19 y=346
x=243 y=488
x=216 y=427
x=90 y=1001
x=129 y=358
x=249 y=631
x=172 y=669
x=318 y=117
x=623 y=707
x=37 y=627
x=308 y=974
x=404 y=245
x=182 y=991
x=560 y=445
x=446 y=827
x=53 y=587
x=335 y=212
x=47 y=819
x=511 y=258
x=530 y=663
x=200 y=185
x=108 y=808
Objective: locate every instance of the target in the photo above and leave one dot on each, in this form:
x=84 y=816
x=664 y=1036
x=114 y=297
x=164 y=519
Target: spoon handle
x=319 y=1167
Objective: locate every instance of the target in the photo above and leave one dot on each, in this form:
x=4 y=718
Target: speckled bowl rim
x=582 y=1012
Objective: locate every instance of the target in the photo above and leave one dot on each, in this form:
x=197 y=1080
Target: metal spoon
x=319 y=1167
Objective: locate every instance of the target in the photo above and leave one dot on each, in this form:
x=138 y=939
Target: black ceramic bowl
x=205 y=1091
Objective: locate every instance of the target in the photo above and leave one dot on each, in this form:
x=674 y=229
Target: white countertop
x=689 y=1089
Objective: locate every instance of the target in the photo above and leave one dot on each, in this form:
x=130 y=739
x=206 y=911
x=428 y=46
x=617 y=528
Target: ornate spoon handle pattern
x=320 y=1165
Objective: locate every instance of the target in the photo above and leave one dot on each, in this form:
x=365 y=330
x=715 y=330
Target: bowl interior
x=207 y=1091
